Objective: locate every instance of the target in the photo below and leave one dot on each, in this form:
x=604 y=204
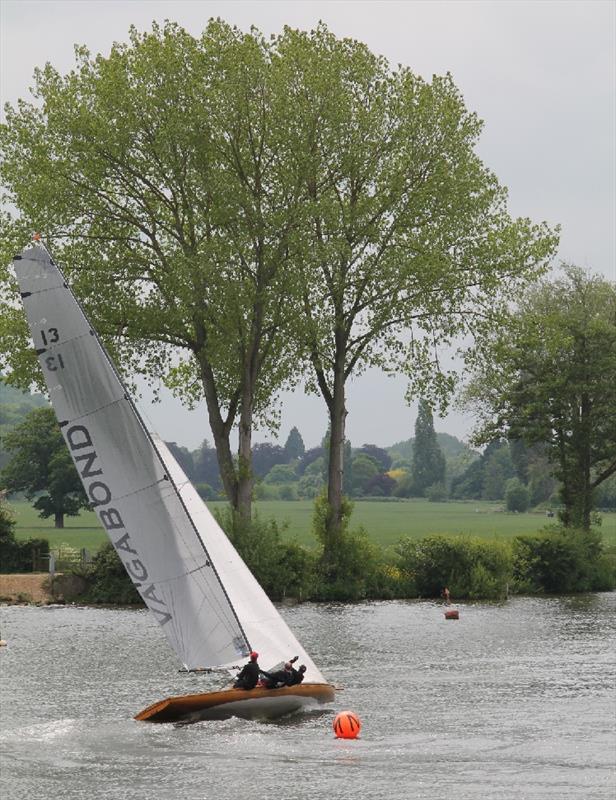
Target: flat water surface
x=510 y=701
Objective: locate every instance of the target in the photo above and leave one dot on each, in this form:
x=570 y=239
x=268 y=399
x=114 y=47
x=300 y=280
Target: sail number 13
x=50 y=336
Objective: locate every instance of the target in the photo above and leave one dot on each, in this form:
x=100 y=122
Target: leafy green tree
x=380 y=485
x=206 y=465
x=406 y=241
x=310 y=485
x=15 y=405
x=497 y=470
x=606 y=494
x=184 y=458
x=7 y=522
x=428 y=467
x=259 y=204
x=288 y=491
x=485 y=478
x=436 y=493
x=294 y=447
x=19 y=556
x=379 y=454
x=41 y=467
x=309 y=458
x=281 y=473
x=549 y=377
x=365 y=468
x=517 y=497
x=165 y=160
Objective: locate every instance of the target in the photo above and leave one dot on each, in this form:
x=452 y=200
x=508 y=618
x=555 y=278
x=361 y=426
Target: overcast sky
x=541 y=74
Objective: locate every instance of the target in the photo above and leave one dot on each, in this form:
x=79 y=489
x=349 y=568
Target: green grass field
x=385 y=523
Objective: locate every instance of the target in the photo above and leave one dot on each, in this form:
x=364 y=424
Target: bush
x=206 y=492
x=31 y=555
x=107 y=580
x=348 y=568
x=310 y=486
x=284 y=569
x=517 y=496
x=470 y=567
x=281 y=473
x=561 y=560
x=264 y=491
x=436 y=493
x=287 y=492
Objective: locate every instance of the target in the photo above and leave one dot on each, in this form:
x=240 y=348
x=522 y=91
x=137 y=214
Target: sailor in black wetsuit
x=249 y=674
x=289 y=676
x=297 y=675
x=281 y=677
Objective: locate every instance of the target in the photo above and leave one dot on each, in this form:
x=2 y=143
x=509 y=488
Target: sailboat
x=208 y=604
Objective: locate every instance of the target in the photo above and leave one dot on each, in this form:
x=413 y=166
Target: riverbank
x=31 y=587
x=39 y=588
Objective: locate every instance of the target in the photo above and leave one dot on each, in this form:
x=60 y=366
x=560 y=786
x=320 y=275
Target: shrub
x=470 y=567
x=436 y=493
x=31 y=555
x=284 y=569
x=206 y=492
x=517 y=496
x=107 y=580
x=281 y=473
x=264 y=491
x=287 y=492
x=310 y=486
x=561 y=560
x=348 y=567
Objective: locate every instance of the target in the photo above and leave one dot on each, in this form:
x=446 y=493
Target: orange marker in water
x=347 y=725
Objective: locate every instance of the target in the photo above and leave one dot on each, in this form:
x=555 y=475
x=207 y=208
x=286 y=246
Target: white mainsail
x=209 y=605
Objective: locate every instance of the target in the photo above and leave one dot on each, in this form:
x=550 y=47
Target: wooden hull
x=257 y=703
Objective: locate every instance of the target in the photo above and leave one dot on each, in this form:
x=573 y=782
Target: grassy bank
x=384 y=522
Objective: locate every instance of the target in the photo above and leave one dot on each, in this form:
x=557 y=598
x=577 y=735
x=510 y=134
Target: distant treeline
x=437 y=466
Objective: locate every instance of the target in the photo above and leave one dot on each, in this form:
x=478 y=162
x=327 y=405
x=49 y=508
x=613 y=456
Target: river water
x=510 y=701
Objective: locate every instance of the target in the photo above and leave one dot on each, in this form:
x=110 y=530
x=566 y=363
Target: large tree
x=42 y=468
x=407 y=242
x=155 y=175
x=549 y=377
x=250 y=206
x=428 y=465
x=294 y=447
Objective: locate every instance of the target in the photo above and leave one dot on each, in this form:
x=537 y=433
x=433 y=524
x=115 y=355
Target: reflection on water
x=511 y=701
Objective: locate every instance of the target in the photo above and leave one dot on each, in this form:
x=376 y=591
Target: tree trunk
x=244 y=467
x=221 y=432
x=577 y=490
x=237 y=478
x=58 y=519
x=335 y=476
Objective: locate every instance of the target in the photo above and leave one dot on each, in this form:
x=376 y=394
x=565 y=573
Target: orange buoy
x=347 y=725
x=452 y=613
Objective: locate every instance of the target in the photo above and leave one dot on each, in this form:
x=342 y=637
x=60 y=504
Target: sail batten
x=206 y=600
